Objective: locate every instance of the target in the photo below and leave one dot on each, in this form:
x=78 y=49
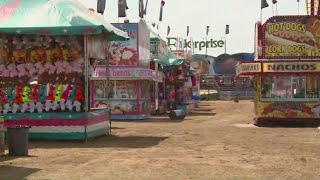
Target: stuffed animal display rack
x=34 y=99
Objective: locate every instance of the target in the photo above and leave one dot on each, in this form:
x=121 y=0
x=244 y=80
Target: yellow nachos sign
x=291 y=67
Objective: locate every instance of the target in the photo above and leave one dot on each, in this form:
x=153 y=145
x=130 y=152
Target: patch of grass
x=214 y=96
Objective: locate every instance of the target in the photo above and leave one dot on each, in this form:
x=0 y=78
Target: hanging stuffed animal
x=57 y=97
x=79 y=95
x=40 y=68
x=71 y=98
x=50 y=68
x=18 y=100
x=59 y=66
x=22 y=70
x=18 y=97
x=41 y=98
x=58 y=93
x=25 y=98
x=31 y=69
x=77 y=66
x=25 y=94
x=3 y=68
x=34 y=96
x=13 y=70
x=4 y=101
x=10 y=99
x=15 y=108
x=64 y=97
x=50 y=98
x=42 y=93
x=77 y=104
x=2 y=98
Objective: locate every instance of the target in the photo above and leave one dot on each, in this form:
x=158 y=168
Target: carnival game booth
x=129 y=74
x=286 y=71
x=44 y=68
x=179 y=82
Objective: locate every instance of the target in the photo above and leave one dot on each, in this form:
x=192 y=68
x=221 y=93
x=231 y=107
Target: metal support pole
x=108 y=86
x=225 y=45
x=86 y=77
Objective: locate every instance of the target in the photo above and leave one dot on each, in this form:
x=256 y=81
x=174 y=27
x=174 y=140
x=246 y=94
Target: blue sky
x=241 y=15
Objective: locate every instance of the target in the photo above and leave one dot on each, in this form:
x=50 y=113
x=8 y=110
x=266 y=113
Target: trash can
x=18 y=138
x=183 y=106
x=177 y=114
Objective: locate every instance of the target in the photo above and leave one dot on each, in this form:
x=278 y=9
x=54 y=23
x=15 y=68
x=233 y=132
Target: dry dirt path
x=206 y=145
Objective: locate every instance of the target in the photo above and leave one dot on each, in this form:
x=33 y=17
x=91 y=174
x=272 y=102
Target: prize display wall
x=43 y=86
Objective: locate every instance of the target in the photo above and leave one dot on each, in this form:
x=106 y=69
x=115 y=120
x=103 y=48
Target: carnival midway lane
x=213 y=143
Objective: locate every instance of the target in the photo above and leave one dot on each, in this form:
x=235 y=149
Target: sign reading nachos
x=291 y=37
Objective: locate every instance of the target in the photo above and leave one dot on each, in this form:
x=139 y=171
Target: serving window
x=116 y=89
x=290 y=88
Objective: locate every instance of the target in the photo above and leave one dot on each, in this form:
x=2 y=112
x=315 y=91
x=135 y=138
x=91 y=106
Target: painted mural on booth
x=125 y=53
x=289 y=109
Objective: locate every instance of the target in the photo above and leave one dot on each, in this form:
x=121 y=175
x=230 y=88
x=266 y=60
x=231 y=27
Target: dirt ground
x=216 y=142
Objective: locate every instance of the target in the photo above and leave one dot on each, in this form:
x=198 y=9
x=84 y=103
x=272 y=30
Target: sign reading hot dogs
x=291 y=67
x=291 y=37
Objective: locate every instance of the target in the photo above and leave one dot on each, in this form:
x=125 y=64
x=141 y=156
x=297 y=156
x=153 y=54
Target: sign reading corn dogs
x=291 y=37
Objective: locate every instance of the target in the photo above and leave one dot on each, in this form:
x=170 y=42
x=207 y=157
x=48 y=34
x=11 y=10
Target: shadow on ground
x=102 y=142
x=4 y=158
x=201 y=114
x=14 y=172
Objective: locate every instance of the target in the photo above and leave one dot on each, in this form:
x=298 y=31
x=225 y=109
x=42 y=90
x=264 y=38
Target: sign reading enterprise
x=197 y=44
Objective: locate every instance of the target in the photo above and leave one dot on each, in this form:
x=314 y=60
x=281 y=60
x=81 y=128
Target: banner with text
x=291 y=37
x=292 y=67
